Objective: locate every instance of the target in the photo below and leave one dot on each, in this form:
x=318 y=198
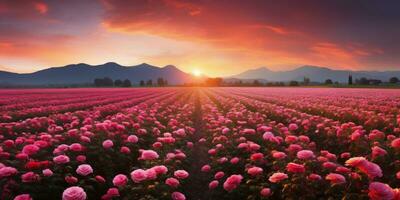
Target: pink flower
x=160 y=169
x=138 y=175
x=234 y=160
x=84 y=170
x=76 y=147
x=125 y=150
x=295 y=168
x=151 y=174
x=256 y=156
x=293 y=127
x=133 y=139
x=113 y=192
x=335 y=178
x=377 y=151
x=100 y=179
x=30 y=149
x=7 y=171
x=29 y=177
x=120 y=180
x=81 y=158
x=395 y=143
x=148 y=155
x=277 y=177
x=181 y=174
x=380 y=191
x=305 y=155
x=23 y=197
x=178 y=196
x=74 y=193
x=47 y=172
x=279 y=155
x=232 y=182
x=254 y=171
x=108 y=144
x=71 y=179
x=206 y=168
x=61 y=159
x=173 y=182
x=213 y=184
x=265 y=192
x=314 y=177
x=219 y=175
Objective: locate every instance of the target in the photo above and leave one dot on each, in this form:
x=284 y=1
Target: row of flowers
x=256 y=147
x=138 y=152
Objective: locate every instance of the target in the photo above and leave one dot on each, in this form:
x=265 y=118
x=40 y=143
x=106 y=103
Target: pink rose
x=61 y=159
x=295 y=168
x=29 y=177
x=120 y=180
x=7 y=171
x=265 y=192
x=277 y=177
x=181 y=174
x=47 y=172
x=74 y=193
x=30 y=149
x=395 y=143
x=133 y=139
x=108 y=144
x=305 y=155
x=206 y=168
x=213 y=184
x=23 y=197
x=173 y=182
x=380 y=191
x=138 y=175
x=335 y=178
x=76 y=147
x=178 y=196
x=232 y=182
x=148 y=155
x=254 y=171
x=84 y=170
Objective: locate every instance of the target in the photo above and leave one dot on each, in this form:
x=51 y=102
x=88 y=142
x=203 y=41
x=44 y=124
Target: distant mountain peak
x=82 y=73
x=315 y=73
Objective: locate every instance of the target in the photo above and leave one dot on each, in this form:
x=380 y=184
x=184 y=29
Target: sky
x=214 y=37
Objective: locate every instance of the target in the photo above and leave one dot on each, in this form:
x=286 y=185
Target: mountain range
x=85 y=74
x=314 y=73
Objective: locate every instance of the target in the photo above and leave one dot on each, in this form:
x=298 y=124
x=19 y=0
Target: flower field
x=200 y=143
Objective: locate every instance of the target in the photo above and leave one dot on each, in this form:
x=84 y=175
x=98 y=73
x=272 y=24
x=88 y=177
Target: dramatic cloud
x=220 y=37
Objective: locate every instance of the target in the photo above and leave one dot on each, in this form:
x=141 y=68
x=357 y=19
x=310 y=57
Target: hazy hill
x=315 y=73
x=84 y=73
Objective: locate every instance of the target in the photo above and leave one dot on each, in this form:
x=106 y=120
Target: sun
x=196 y=72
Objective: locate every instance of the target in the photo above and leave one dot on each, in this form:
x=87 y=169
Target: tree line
x=108 y=82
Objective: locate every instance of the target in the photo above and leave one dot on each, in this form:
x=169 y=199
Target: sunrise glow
x=279 y=35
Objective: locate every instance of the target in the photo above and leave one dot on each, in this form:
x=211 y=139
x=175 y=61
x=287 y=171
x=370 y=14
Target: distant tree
x=293 y=83
x=350 y=80
x=127 y=83
x=141 y=83
x=306 y=81
x=165 y=82
x=394 y=80
x=98 y=82
x=256 y=83
x=117 y=83
x=149 y=82
x=160 y=82
x=108 y=82
x=103 y=82
x=328 y=82
x=363 y=81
